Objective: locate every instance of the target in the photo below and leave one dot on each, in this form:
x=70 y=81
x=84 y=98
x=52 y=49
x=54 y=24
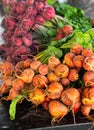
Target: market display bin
x=83 y=126
x=30 y=118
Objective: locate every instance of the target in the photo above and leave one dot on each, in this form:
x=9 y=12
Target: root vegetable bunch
x=21 y=19
x=55 y=86
x=38 y=83
x=82 y=59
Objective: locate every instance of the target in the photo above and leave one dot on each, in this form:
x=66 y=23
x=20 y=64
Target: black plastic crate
x=29 y=118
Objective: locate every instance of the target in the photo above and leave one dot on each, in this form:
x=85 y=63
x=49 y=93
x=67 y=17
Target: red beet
x=31 y=11
x=9 y=23
x=21 y=7
x=48 y=12
x=23 y=17
x=40 y=20
x=39 y=5
x=8 y=3
x=27 y=23
x=19 y=32
x=27 y=41
x=21 y=50
x=18 y=42
x=29 y=2
x=41 y=0
x=13 y=6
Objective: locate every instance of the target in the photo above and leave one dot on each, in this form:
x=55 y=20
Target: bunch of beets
x=60 y=86
x=21 y=19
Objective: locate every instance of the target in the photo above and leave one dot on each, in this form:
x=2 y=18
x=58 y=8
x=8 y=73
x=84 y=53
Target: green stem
x=45 y=61
x=38 y=56
x=66 y=45
x=40 y=53
x=64 y=19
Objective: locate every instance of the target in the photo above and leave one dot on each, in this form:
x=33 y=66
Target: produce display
x=47 y=58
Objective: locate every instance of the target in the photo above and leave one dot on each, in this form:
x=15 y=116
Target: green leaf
x=12 y=109
x=52 y=50
x=51 y=32
x=43 y=31
x=53 y=43
x=91 y=32
x=48 y=24
x=76 y=17
x=50 y=2
x=58 y=53
x=81 y=38
x=60 y=24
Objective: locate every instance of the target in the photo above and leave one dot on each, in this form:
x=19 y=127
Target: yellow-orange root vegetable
x=57 y=110
x=54 y=90
x=70 y=97
x=26 y=75
x=40 y=81
x=18 y=84
x=62 y=71
x=52 y=77
x=37 y=96
x=7 y=68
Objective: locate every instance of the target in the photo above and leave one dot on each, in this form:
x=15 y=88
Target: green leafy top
x=50 y=2
x=75 y=16
x=51 y=50
x=81 y=38
x=91 y=33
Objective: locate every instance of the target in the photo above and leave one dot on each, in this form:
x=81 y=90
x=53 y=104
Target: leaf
x=81 y=38
x=50 y=2
x=52 y=50
x=76 y=17
x=53 y=43
x=48 y=24
x=51 y=32
x=91 y=32
x=60 y=24
x=43 y=30
x=12 y=109
x=58 y=53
